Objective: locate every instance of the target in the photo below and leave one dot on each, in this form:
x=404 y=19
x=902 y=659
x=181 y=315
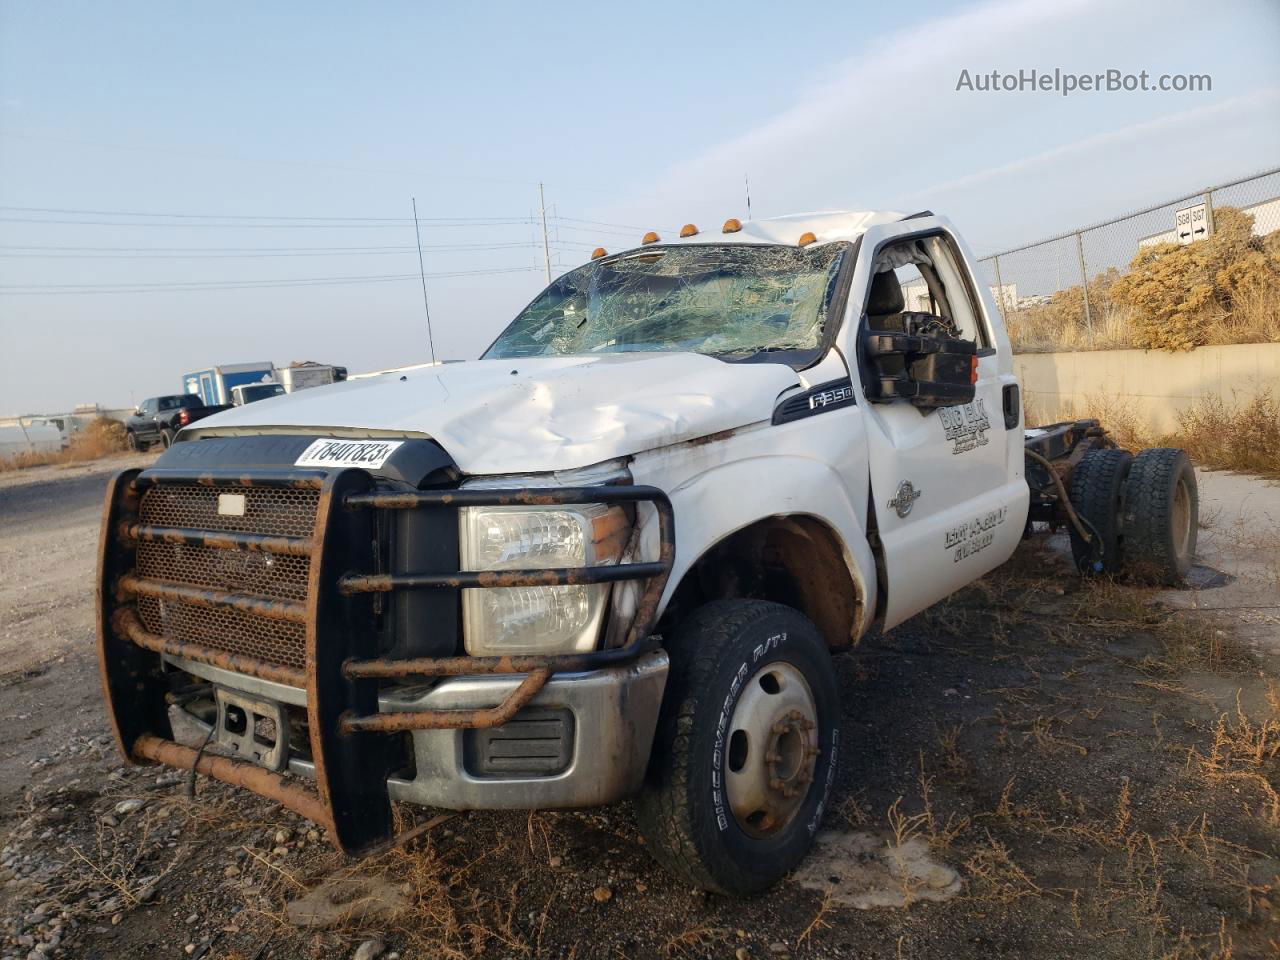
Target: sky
x=184 y=185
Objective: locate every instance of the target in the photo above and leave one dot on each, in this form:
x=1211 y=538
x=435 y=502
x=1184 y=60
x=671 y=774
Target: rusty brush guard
x=303 y=614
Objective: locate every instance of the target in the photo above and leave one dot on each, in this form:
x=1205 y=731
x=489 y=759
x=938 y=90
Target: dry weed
x=100 y=438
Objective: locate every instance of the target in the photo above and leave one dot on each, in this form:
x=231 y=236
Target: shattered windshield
x=733 y=301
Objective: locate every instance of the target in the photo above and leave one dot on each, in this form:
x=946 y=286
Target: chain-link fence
x=1040 y=288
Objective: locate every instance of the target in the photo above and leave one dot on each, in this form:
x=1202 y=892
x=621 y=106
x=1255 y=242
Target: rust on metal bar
x=532 y=496
x=567 y=576
x=203 y=597
x=126 y=623
x=216 y=539
x=289 y=479
x=237 y=773
x=483 y=666
x=451 y=719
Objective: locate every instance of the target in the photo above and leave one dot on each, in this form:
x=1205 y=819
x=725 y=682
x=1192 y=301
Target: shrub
x=1180 y=293
x=1224 y=289
x=101 y=437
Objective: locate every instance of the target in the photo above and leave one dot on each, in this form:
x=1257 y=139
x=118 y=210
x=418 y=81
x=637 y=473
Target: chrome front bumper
x=613 y=712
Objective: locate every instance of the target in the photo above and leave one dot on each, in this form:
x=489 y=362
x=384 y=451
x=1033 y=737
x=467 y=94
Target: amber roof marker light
x=807 y=238
x=732 y=225
x=650 y=237
x=688 y=230
x=598 y=252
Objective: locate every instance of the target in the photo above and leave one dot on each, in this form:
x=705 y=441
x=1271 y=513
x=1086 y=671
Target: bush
x=1225 y=289
x=1180 y=293
x=101 y=437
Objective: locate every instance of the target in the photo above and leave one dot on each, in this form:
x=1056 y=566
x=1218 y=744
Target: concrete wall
x=1154 y=384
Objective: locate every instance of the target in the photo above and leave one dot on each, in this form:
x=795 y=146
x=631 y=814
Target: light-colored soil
x=48 y=538
x=1039 y=768
x=1238 y=580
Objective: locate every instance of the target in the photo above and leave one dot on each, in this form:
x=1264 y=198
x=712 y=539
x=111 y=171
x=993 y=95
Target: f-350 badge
x=905 y=498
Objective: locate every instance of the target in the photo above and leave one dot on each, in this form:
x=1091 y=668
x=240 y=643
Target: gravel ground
x=1038 y=768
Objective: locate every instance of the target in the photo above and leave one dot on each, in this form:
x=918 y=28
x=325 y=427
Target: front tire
x=746 y=747
x=131 y=441
x=166 y=438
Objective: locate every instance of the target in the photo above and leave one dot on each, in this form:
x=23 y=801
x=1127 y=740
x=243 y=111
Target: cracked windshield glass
x=734 y=301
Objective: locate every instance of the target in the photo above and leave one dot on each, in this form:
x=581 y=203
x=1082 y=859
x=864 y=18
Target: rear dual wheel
x=1097 y=495
x=1142 y=514
x=745 y=751
x=1161 y=516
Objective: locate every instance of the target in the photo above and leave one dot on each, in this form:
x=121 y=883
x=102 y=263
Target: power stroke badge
x=348 y=453
x=966 y=425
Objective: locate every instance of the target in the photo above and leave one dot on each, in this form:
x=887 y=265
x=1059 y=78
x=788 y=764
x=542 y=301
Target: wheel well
x=794 y=560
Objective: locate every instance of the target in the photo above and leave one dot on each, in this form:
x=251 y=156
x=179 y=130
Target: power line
x=290 y=249
x=270 y=226
x=235 y=216
x=355 y=252
x=88 y=288
x=601 y=223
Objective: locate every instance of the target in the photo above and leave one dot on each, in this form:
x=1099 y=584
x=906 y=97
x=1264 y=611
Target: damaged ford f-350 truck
x=614 y=556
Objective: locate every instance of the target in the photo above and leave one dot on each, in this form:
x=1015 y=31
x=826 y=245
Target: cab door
x=146 y=422
x=947 y=490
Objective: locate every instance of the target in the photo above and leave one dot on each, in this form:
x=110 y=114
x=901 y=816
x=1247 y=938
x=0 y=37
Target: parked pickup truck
x=613 y=557
x=158 y=419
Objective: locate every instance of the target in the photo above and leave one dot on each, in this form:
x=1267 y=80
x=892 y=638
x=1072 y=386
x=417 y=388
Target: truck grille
x=271 y=511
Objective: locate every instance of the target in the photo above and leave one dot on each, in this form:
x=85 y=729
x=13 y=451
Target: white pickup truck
x=614 y=556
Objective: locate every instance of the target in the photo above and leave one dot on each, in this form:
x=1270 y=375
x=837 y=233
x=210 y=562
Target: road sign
x=1192 y=223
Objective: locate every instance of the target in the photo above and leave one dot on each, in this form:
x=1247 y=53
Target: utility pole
x=431 y=340
x=546 y=246
x=746 y=184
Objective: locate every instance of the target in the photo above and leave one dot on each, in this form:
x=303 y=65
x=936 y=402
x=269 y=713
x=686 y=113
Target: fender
x=717 y=500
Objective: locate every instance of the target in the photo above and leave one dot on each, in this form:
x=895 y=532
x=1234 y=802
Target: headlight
x=542 y=620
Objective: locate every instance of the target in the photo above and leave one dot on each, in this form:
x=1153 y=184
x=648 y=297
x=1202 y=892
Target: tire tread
x=663 y=814
x=1096 y=482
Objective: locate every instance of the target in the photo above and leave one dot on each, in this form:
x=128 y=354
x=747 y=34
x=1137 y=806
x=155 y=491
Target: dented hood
x=533 y=414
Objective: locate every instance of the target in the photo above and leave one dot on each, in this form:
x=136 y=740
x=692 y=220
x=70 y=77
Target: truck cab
x=612 y=557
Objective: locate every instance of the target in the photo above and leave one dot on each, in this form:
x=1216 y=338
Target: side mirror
x=926 y=367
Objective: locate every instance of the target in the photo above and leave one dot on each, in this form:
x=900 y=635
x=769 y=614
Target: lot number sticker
x=331 y=452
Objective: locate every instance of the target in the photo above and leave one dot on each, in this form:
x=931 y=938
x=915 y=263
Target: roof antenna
x=747 y=186
x=431 y=340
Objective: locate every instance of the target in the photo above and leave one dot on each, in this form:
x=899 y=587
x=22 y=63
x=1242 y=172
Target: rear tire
x=1161 y=516
x=166 y=438
x=745 y=750
x=1097 y=494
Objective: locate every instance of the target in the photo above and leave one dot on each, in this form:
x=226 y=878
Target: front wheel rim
x=772 y=750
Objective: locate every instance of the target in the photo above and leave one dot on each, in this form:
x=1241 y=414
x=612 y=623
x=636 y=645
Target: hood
x=534 y=414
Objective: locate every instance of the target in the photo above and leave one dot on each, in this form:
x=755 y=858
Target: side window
x=148 y=408
x=960 y=294
x=168 y=403
x=918 y=287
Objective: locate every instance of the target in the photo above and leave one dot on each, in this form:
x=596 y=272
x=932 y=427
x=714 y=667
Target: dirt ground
x=1038 y=768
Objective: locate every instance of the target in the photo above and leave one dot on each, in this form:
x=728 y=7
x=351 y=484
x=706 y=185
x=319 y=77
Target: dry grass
x=100 y=438
x=1217 y=434
x=1225 y=289
x=1242 y=755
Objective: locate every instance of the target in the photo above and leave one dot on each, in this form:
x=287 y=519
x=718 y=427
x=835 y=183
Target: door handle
x=1011 y=400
